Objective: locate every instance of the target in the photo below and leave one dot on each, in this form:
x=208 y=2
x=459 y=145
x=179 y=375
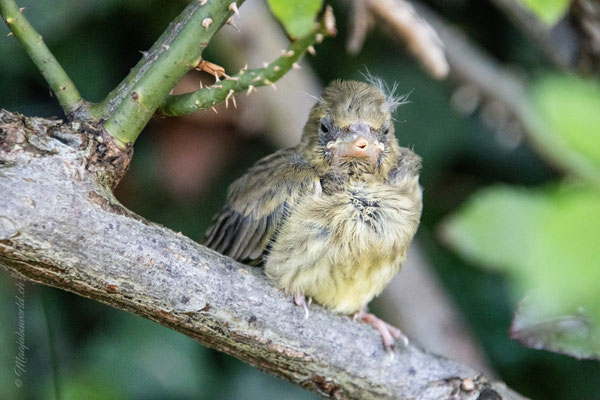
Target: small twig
x=360 y=23
x=65 y=91
x=420 y=37
x=586 y=15
x=559 y=42
x=472 y=65
x=247 y=80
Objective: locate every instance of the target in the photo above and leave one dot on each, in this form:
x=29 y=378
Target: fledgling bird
x=331 y=218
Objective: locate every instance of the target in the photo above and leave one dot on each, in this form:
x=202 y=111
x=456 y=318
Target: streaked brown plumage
x=332 y=218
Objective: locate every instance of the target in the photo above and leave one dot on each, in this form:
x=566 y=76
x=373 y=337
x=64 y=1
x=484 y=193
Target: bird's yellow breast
x=343 y=249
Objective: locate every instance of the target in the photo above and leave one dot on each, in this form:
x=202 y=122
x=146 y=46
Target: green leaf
x=494 y=228
x=566 y=266
x=570 y=106
x=549 y=11
x=546 y=241
x=297 y=16
x=575 y=335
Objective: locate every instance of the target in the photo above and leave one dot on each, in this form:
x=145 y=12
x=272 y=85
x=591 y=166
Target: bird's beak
x=356 y=141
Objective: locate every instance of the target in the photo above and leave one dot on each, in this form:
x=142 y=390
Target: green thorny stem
x=129 y=107
x=65 y=91
x=247 y=79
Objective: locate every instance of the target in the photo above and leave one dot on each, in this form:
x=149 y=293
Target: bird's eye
x=386 y=131
x=324 y=129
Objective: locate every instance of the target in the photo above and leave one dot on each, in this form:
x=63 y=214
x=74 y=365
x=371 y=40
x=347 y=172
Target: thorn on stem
x=268 y=82
x=206 y=22
x=311 y=50
x=9 y=34
x=276 y=68
x=21 y=9
x=232 y=24
x=329 y=21
x=296 y=66
x=251 y=88
x=203 y=2
x=231 y=92
x=215 y=110
x=290 y=53
x=233 y=7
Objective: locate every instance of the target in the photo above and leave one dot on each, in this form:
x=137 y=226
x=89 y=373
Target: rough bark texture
x=61 y=226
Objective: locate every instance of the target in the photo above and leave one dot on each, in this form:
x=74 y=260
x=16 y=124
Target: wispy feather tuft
x=392 y=100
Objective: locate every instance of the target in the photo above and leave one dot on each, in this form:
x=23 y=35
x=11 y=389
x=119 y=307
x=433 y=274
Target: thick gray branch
x=60 y=227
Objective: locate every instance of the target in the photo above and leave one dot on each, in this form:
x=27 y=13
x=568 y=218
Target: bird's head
x=352 y=122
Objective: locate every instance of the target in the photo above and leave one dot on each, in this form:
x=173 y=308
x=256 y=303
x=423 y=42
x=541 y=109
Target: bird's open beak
x=356 y=141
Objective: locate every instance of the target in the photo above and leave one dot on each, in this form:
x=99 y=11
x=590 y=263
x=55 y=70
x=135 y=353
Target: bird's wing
x=407 y=168
x=258 y=202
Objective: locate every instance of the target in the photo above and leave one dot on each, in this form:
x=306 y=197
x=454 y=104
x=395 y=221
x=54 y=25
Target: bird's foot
x=300 y=300
x=388 y=332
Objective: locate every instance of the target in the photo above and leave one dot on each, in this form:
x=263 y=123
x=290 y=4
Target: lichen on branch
x=248 y=79
x=65 y=91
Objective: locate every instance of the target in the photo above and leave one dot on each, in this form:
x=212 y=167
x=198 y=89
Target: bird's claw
x=300 y=300
x=388 y=332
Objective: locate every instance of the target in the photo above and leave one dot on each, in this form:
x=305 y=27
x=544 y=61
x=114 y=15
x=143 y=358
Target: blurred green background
x=82 y=349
